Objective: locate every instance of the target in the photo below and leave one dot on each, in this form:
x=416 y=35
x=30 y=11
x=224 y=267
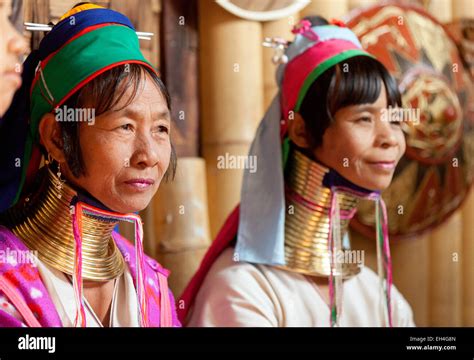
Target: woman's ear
x=50 y=137
x=297 y=132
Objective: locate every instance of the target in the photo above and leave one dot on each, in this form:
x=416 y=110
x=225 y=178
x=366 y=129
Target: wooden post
x=179 y=66
x=231 y=100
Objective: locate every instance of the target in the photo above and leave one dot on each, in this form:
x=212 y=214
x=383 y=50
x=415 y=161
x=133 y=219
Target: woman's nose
x=385 y=136
x=146 y=152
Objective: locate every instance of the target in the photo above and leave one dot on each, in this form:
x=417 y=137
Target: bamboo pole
x=326 y=8
x=441 y=9
x=179 y=215
x=463 y=9
x=467 y=260
x=411 y=267
x=445 y=242
x=224 y=183
x=354 y=4
x=231 y=100
x=446 y=273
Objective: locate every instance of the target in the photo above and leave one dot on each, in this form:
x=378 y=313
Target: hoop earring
x=49 y=159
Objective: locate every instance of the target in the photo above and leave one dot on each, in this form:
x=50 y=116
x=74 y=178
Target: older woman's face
x=127 y=152
x=12 y=46
x=363 y=145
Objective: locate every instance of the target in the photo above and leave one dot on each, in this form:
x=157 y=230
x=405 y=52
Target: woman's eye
x=162 y=129
x=364 y=119
x=126 y=127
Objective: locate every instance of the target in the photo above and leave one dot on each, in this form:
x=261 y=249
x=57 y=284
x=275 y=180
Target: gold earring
x=59 y=185
x=59 y=181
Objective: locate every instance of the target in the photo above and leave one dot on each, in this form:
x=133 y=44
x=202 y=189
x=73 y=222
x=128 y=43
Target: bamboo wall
x=235 y=84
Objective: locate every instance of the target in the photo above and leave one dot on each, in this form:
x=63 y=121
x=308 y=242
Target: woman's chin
x=374 y=183
x=377 y=184
x=129 y=206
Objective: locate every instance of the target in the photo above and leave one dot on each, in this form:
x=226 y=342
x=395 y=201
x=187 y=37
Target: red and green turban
x=86 y=42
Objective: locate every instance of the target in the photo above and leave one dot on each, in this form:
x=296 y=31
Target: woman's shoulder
x=228 y=269
x=228 y=273
x=228 y=261
x=228 y=265
x=238 y=293
x=234 y=293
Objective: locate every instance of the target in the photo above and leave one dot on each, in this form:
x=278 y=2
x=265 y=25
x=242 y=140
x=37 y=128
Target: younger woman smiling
x=283 y=257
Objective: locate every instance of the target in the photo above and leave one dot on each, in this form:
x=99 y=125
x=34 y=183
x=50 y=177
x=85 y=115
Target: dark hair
x=355 y=81
x=103 y=94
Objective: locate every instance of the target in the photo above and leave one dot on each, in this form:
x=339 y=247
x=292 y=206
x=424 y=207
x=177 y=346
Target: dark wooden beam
x=179 y=69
